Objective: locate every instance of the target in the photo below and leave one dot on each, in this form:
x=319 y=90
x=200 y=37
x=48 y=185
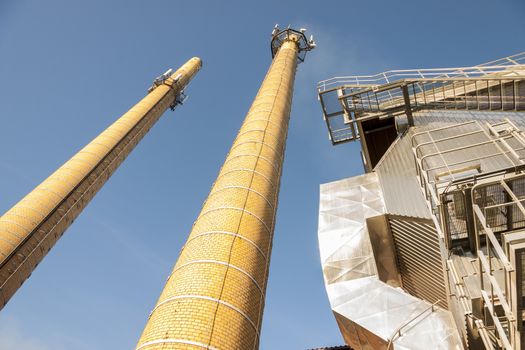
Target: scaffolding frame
x=505 y=324
x=497 y=298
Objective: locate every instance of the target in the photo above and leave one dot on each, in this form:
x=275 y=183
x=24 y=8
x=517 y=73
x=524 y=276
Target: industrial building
x=426 y=249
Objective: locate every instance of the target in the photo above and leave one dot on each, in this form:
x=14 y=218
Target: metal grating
x=419 y=258
x=500 y=212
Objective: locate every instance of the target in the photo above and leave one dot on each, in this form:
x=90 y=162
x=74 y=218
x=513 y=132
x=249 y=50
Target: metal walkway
x=494 y=86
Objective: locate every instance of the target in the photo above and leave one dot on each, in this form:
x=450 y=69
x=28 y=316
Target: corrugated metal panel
x=460 y=144
x=397 y=175
x=434 y=118
x=419 y=258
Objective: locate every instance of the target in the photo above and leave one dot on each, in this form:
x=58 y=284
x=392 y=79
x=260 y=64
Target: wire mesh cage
x=455 y=211
x=500 y=212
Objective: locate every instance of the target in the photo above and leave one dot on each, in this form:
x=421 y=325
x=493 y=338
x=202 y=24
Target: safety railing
x=489 y=250
x=497 y=85
x=496 y=206
x=504 y=93
x=417 y=318
x=395 y=75
x=447 y=158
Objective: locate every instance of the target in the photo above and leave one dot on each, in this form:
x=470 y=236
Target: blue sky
x=70 y=68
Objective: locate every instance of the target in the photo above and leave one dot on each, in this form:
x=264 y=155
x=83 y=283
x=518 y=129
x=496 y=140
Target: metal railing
x=395 y=75
x=504 y=92
x=497 y=85
x=451 y=152
x=489 y=250
x=497 y=206
x=448 y=157
x=397 y=333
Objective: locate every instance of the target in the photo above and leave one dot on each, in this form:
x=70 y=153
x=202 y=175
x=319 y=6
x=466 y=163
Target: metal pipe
x=214 y=297
x=30 y=228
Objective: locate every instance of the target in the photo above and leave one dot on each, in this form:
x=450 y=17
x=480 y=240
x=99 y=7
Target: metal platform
x=472 y=177
x=494 y=86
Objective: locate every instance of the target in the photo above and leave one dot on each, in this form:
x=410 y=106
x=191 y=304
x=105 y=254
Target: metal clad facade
x=214 y=298
x=368 y=311
x=397 y=175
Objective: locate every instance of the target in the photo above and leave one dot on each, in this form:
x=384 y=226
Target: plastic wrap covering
x=32 y=226
x=214 y=297
x=369 y=312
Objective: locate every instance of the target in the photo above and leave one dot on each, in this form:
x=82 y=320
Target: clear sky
x=70 y=68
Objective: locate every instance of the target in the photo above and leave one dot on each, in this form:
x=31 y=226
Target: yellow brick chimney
x=30 y=228
x=214 y=298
